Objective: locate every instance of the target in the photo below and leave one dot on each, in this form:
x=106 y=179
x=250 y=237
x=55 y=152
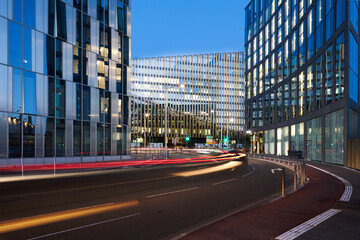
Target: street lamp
x=227 y=133
x=182 y=86
x=146 y=116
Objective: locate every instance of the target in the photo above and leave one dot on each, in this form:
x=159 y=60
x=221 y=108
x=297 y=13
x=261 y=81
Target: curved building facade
x=204 y=94
x=64 y=72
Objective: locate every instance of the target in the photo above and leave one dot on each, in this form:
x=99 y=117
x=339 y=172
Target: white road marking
x=247 y=174
x=85 y=226
x=84 y=188
x=230 y=180
x=306 y=226
x=167 y=193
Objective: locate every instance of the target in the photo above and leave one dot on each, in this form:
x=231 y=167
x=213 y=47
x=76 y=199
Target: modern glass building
x=302 y=77
x=204 y=94
x=64 y=69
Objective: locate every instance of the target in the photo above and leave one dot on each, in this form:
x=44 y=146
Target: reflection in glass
x=29 y=13
x=28 y=136
x=60 y=137
x=29 y=92
x=17 y=90
x=14 y=135
x=49 y=137
x=15 y=44
x=86 y=138
x=60 y=98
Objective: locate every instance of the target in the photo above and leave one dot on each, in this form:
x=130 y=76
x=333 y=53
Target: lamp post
x=182 y=86
x=145 y=119
x=227 y=133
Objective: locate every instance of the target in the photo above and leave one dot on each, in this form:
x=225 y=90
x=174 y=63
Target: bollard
x=283 y=182
x=295 y=177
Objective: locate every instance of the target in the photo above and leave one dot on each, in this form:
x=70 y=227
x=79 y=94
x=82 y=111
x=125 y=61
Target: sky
x=183 y=27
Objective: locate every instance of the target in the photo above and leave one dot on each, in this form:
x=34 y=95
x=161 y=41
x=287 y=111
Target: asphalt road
x=151 y=203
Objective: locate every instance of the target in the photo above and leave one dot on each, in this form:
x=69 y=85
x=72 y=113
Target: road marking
x=208 y=170
x=230 y=180
x=84 y=188
x=252 y=171
x=85 y=226
x=167 y=193
x=23 y=223
x=306 y=226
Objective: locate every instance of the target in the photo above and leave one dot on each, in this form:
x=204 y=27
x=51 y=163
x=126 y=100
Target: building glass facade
x=64 y=69
x=205 y=97
x=316 y=78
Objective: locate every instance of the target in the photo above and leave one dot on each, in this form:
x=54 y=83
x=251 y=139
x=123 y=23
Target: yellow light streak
x=222 y=167
x=18 y=224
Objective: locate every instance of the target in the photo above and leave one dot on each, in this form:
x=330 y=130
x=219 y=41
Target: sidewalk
x=271 y=220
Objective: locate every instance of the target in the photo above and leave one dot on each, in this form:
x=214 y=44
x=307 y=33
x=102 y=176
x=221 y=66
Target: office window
x=319 y=81
x=60 y=137
x=329 y=19
x=293 y=97
x=286 y=102
x=14 y=135
x=340 y=12
x=29 y=13
x=280 y=103
x=286 y=59
x=29 y=93
x=328 y=75
x=334 y=137
x=60 y=98
x=61 y=20
x=280 y=63
x=301 y=45
x=17 y=90
x=354 y=69
x=319 y=24
x=294 y=52
x=15 y=46
x=28 y=136
x=301 y=96
x=339 y=67
x=313 y=141
x=354 y=14
x=49 y=136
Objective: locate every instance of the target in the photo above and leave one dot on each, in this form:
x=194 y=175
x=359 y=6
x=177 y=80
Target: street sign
x=209 y=139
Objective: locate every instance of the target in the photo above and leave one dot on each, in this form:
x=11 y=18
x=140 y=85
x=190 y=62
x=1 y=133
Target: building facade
x=64 y=69
x=302 y=77
x=204 y=94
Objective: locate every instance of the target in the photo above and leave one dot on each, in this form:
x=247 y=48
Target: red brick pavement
x=273 y=219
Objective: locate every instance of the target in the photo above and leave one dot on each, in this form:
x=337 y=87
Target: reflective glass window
x=77 y=139
x=319 y=82
x=17 y=90
x=60 y=98
x=61 y=20
x=334 y=137
x=28 y=136
x=15 y=45
x=309 y=86
x=29 y=13
x=100 y=139
x=26 y=48
x=340 y=12
x=14 y=135
x=339 y=65
x=86 y=138
x=354 y=14
x=29 y=92
x=328 y=75
x=354 y=69
x=86 y=103
x=17 y=10
x=49 y=137
x=60 y=137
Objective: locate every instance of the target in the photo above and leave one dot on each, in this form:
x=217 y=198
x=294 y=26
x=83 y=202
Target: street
x=151 y=203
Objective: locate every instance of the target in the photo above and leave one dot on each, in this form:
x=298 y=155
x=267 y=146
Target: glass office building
x=64 y=68
x=204 y=94
x=302 y=77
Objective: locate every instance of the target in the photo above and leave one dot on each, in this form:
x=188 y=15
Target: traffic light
x=187 y=138
x=226 y=140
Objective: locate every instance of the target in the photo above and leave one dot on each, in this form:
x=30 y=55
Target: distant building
x=302 y=77
x=205 y=97
x=63 y=77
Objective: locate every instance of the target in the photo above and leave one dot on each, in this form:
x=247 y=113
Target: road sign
x=209 y=139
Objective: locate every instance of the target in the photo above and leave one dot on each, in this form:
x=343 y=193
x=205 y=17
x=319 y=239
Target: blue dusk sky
x=181 y=27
